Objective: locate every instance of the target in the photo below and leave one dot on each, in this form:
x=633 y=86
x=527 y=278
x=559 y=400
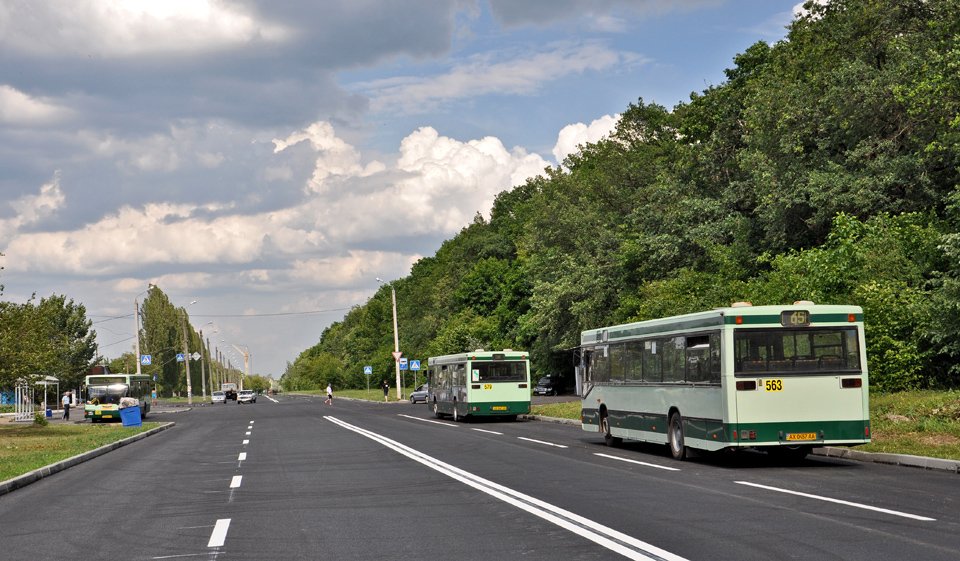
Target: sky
x=268 y=161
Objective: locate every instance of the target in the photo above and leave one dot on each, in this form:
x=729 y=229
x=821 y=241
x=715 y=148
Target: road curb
x=922 y=462
x=11 y=485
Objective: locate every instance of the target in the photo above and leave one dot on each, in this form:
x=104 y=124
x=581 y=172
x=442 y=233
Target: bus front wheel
x=675 y=437
x=436 y=410
x=456 y=416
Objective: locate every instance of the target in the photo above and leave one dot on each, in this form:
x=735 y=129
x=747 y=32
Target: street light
x=136 y=320
x=203 y=374
x=396 y=338
x=242 y=349
x=186 y=352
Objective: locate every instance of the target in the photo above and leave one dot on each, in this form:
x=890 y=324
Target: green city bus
x=481 y=383
x=104 y=392
x=783 y=379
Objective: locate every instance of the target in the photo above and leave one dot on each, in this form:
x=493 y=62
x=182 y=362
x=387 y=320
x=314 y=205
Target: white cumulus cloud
x=573 y=136
x=18 y=108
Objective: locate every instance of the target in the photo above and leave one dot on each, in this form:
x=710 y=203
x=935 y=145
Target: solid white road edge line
x=635 y=462
x=615 y=541
x=219 y=534
x=838 y=501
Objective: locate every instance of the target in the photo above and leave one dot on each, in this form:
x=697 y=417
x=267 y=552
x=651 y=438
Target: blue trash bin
x=49 y=413
x=130 y=417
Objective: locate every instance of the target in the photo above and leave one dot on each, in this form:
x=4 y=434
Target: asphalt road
x=371 y=481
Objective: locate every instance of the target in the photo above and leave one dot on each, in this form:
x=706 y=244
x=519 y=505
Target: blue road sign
x=368 y=370
x=414 y=365
x=179 y=357
x=403 y=364
x=146 y=360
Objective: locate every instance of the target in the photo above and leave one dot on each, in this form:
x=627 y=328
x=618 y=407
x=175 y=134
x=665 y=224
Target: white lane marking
x=245 y=442
x=242 y=456
x=615 y=541
x=219 y=534
x=427 y=420
x=271 y=399
x=235 y=482
x=838 y=501
x=248 y=433
x=205 y=554
x=489 y=431
x=541 y=442
x=251 y=422
x=636 y=462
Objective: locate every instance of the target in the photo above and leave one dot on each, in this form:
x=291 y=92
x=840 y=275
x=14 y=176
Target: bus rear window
x=512 y=371
x=781 y=351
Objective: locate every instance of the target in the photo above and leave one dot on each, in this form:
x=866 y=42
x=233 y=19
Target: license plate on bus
x=795 y=436
x=499 y=408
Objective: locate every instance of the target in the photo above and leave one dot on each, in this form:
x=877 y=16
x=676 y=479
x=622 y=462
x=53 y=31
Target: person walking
x=386 y=390
x=66 y=406
x=329 y=400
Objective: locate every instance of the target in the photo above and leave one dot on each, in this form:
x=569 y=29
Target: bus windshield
x=513 y=371
x=811 y=351
x=106 y=394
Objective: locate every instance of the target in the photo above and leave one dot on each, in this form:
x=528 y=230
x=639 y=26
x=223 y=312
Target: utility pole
x=186 y=358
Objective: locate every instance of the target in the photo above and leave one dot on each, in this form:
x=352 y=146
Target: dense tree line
x=825 y=168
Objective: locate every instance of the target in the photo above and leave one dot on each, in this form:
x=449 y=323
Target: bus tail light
x=746 y=385
x=852 y=318
x=866 y=432
x=851 y=383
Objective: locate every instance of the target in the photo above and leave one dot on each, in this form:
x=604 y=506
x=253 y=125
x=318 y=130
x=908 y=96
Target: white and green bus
x=778 y=378
x=481 y=383
x=104 y=392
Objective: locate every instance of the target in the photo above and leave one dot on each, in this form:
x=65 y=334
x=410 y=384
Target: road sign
x=146 y=360
x=414 y=365
x=195 y=355
x=179 y=357
x=368 y=370
x=396 y=355
x=403 y=364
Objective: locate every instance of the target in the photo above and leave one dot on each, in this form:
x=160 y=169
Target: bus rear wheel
x=675 y=437
x=456 y=416
x=608 y=438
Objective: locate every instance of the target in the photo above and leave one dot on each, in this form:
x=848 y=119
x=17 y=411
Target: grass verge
x=26 y=447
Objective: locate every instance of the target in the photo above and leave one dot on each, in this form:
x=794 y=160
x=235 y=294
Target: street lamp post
x=203 y=374
x=396 y=339
x=136 y=320
x=186 y=352
x=245 y=351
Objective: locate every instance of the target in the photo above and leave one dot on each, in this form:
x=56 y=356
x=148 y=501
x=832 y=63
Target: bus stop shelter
x=46 y=382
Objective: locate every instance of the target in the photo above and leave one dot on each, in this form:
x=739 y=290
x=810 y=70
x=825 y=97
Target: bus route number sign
x=773 y=385
x=795 y=318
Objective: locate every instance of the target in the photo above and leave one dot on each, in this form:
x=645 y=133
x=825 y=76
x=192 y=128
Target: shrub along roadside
x=24 y=448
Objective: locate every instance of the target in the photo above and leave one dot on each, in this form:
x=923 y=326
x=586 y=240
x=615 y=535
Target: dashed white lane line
x=245 y=442
x=219 y=535
x=242 y=456
x=838 y=501
x=235 y=482
x=248 y=433
x=428 y=421
x=636 y=462
x=489 y=431
x=541 y=442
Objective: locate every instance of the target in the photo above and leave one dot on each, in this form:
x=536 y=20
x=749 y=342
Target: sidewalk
x=76 y=414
